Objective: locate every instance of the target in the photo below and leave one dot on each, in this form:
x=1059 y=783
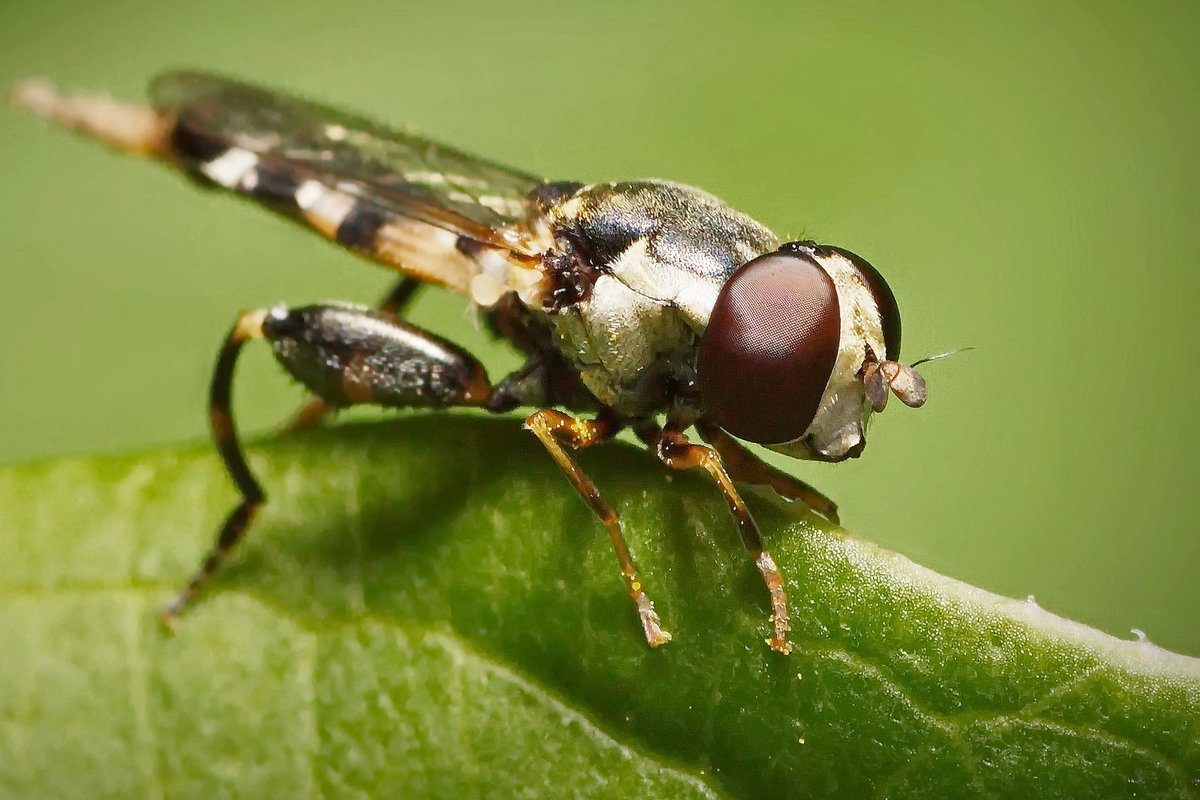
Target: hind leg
x=674 y=450
x=346 y=356
x=394 y=303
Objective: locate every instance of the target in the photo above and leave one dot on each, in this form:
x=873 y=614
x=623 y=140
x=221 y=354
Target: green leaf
x=425 y=609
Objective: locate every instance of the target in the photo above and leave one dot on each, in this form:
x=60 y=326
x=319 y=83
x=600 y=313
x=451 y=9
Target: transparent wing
x=394 y=173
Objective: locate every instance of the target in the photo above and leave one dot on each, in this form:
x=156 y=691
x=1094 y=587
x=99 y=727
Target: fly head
x=801 y=347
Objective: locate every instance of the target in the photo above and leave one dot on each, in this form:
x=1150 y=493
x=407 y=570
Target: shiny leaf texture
x=427 y=610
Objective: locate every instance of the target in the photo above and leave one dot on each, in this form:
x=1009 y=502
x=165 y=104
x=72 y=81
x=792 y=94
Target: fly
x=646 y=305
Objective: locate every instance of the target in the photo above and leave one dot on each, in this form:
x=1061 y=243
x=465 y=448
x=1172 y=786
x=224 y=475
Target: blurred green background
x=1024 y=174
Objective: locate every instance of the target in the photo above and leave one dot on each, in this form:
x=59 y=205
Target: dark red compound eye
x=769 y=348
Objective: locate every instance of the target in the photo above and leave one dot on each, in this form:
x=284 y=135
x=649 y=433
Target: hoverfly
x=631 y=301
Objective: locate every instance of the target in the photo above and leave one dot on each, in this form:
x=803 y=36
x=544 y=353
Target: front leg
x=555 y=428
x=674 y=449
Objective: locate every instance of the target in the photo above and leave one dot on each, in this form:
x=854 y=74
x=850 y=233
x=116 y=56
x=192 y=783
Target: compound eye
x=889 y=312
x=769 y=348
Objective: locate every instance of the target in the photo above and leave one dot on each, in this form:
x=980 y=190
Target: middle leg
x=674 y=450
x=743 y=465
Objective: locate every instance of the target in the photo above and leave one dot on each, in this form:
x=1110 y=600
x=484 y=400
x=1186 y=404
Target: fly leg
x=744 y=466
x=224 y=433
x=674 y=450
x=345 y=355
x=394 y=303
x=555 y=429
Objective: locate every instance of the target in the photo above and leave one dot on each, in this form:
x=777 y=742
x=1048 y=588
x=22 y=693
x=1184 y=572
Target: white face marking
x=231 y=168
x=838 y=424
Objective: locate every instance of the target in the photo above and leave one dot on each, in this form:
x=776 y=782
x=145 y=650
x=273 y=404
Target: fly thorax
x=631 y=280
x=626 y=347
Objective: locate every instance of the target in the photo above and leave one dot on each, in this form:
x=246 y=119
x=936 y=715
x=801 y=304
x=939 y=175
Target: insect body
x=633 y=302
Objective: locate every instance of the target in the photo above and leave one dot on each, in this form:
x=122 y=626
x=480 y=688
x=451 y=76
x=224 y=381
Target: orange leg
x=554 y=429
x=744 y=466
x=674 y=449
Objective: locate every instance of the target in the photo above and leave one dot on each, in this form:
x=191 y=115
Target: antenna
x=942 y=355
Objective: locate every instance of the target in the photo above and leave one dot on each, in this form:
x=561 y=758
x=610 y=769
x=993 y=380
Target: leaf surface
x=426 y=609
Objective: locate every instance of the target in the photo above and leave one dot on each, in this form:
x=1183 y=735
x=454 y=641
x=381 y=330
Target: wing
x=396 y=197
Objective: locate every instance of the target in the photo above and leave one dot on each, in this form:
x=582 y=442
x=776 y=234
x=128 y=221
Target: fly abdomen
x=349 y=355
